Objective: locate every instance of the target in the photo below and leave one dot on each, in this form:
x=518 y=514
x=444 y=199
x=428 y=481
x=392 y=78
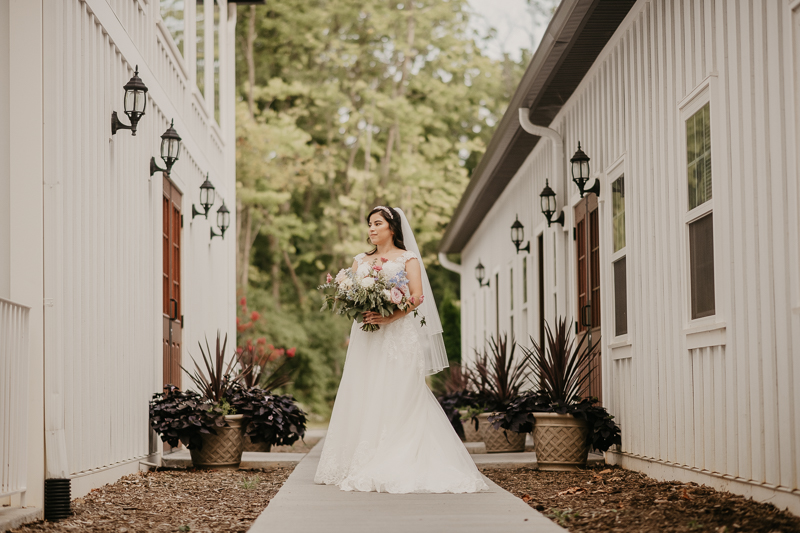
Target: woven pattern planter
x=560 y=441
x=223 y=450
x=499 y=440
x=250 y=446
x=470 y=433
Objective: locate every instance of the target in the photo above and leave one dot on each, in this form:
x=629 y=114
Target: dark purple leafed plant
x=499 y=377
x=560 y=368
x=217 y=385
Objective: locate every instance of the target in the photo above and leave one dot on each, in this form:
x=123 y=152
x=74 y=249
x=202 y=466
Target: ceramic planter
x=560 y=441
x=499 y=440
x=223 y=450
x=470 y=433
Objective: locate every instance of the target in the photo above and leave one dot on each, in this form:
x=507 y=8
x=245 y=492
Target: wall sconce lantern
x=223 y=221
x=580 y=172
x=480 y=272
x=548 y=203
x=207 y=196
x=170 y=150
x=135 y=103
x=518 y=235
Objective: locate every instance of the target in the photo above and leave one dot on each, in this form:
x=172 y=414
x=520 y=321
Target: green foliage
x=344 y=105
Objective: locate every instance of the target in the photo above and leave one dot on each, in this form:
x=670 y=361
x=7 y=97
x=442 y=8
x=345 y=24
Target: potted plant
x=222 y=447
x=266 y=373
x=564 y=424
x=498 y=378
x=459 y=402
x=213 y=424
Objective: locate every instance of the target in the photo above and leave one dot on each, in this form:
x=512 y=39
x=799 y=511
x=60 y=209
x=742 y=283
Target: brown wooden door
x=172 y=306
x=588 y=279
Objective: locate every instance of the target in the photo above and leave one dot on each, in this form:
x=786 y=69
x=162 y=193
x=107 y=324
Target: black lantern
x=548 y=203
x=207 y=196
x=580 y=172
x=518 y=235
x=135 y=103
x=223 y=221
x=480 y=272
x=170 y=150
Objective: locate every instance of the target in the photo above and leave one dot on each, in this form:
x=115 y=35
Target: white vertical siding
x=103 y=222
x=722 y=398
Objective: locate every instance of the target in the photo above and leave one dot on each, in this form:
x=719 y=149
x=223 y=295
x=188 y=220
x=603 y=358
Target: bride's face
x=379 y=230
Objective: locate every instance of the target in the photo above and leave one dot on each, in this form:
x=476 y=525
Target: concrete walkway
x=302 y=506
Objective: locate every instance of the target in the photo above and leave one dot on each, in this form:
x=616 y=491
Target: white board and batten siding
x=102 y=224
x=714 y=400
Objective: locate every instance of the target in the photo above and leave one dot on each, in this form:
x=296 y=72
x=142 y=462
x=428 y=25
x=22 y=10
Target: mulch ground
x=604 y=499
x=173 y=500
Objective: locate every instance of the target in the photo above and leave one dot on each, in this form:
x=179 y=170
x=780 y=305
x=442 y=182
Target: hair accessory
x=385 y=210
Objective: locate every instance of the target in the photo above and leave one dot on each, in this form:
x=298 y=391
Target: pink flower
x=328 y=278
x=254 y=316
x=290 y=352
x=243 y=301
x=396 y=295
x=421 y=297
x=412 y=300
x=378 y=268
x=384 y=260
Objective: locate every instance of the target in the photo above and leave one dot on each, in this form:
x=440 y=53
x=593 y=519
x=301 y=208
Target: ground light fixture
x=207 y=196
x=135 y=102
x=480 y=273
x=518 y=235
x=548 y=204
x=170 y=150
x=223 y=221
x=580 y=172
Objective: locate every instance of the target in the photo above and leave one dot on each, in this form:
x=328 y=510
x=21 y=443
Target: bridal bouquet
x=371 y=288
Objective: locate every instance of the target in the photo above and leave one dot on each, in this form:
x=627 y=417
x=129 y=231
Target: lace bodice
x=401 y=259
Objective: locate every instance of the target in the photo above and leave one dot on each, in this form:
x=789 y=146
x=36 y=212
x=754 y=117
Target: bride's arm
x=415 y=288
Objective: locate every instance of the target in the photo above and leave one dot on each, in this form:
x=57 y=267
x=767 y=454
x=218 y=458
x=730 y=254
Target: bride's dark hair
x=392 y=218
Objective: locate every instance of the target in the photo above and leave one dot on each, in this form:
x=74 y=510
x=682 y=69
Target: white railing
x=13 y=397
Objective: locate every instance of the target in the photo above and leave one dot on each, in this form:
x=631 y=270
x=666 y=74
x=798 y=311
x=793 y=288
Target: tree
x=345 y=105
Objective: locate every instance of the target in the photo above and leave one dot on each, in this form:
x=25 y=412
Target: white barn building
x=94 y=247
x=695 y=289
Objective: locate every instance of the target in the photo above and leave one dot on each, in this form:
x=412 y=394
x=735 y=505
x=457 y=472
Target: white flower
x=367 y=282
x=340 y=277
x=387 y=295
x=363 y=270
x=346 y=284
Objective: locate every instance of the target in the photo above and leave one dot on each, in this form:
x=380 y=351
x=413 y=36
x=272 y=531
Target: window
x=200 y=61
x=524 y=280
x=618 y=212
x=511 y=300
x=620 y=297
x=698 y=157
x=700 y=219
x=172 y=15
x=620 y=269
x=511 y=288
x=701 y=260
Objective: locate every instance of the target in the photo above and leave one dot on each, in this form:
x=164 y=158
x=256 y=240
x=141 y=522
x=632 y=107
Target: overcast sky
x=517 y=25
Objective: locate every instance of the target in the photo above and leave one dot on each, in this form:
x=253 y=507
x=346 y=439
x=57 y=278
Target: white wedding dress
x=388 y=432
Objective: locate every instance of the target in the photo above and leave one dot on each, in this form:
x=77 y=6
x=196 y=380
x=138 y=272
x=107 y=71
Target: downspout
x=558 y=278
x=449 y=265
x=558 y=152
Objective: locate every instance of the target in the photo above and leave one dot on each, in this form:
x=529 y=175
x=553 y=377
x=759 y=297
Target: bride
x=387 y=431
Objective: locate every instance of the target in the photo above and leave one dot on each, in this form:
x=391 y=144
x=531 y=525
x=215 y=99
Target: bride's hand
x=378 y=319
